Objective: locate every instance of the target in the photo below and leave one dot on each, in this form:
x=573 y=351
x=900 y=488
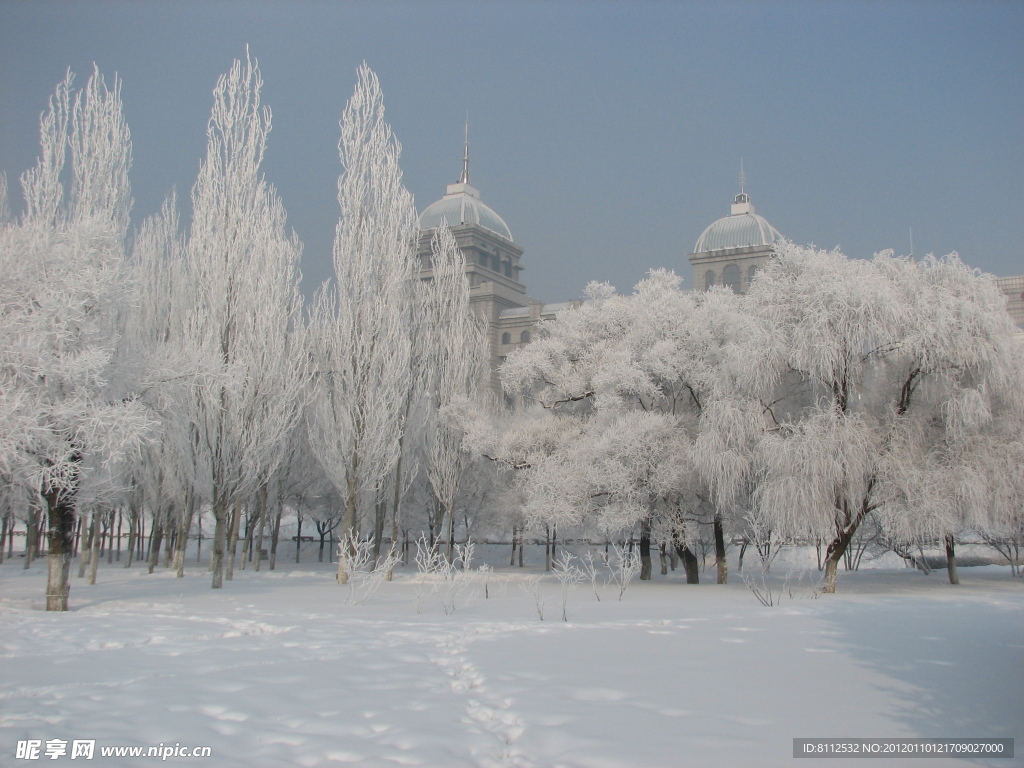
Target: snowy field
x=278 y=669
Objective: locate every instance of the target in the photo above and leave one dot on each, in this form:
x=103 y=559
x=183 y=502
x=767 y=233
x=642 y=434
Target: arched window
x=750 y=275
x=524 y=337
x=496 y=263
x=506 y=338
x=508 y=269
x=731 y=277
x=709 y=279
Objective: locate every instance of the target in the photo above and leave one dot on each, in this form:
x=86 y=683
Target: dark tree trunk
x=232 y=542
x=60 y=508
x=691 y=567
x=646 y=567
x=156 y=538
x=379 y=518
x=720 y=561
x=181 y=539
x=133 y=534
x=220 y=521
x=833 y=556
x=84 y=544
x=547 y=547
x=954 y=578
x=32 y=534
x=261 y=524
x=275 y=534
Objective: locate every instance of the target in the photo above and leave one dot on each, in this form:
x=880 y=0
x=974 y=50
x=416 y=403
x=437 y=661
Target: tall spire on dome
x=465 y=156
x=741 y=203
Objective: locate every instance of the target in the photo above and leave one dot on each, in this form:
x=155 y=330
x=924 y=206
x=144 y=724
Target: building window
x=508 y=269
x=496 y=263
x=731 y=277
x=709 y=279
x=524 y=337
x=506 y=338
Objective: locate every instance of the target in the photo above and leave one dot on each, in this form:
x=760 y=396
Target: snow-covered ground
x=278 y=669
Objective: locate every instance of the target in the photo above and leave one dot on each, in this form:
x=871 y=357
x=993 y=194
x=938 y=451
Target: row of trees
x=837 y=391
x=176 y=372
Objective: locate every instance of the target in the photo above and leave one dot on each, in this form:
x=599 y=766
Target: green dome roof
x=743 y=229
x=461 y=206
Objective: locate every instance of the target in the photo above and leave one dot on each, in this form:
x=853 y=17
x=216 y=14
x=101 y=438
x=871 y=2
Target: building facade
x=492 y=266
x=731 y=250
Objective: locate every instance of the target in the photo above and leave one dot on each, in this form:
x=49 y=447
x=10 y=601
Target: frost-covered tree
x=69 y=416
x=359 y=336
x=245 y=307
x=456 y=363
x=629 y=377
x=860 y=390
x=166 y=476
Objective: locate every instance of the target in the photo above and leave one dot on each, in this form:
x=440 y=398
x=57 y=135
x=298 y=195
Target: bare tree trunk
x=32 y=534
x=720 y=560
x=298 y=537
x=3 y=537
x=10 y=535
x=954 y=577
x=512 y=559
x=156 y=538
x=171 y=535
x=547 y=547
x=94 y=554
x=232 y=542
x=85 y=548
x=250 y=532
x=220 y=515
x=120 y=522
x=181 y=539
x=833 y=556
x=646 y=567
x=260 y=524
x=110 y=536
x=61 y=513
x=133 y=532
x=690 y=565
x=380 y=516
x=348 y=521
x=275 y=534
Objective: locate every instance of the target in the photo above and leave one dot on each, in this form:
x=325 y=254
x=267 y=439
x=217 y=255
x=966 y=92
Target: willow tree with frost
x=859 y=391
x=359 y=335
x=621 y=383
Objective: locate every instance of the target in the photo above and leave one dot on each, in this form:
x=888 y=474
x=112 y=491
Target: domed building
x=732 y=249
x=492 y=266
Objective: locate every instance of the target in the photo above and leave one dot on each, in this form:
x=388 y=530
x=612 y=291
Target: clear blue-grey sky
x=607 y=134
